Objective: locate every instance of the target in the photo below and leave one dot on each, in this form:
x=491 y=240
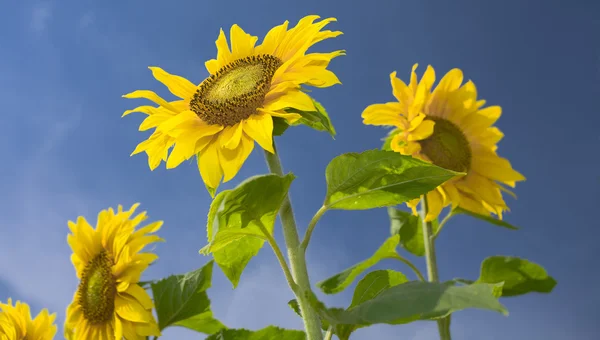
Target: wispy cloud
x=86 y=20
x=40 y=17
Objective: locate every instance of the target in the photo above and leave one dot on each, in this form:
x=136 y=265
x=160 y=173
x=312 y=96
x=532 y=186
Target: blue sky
x=65 y=149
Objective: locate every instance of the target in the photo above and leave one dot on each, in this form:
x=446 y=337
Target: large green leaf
x=374 y=284
x=279 y=126
x=520 y=276
x=318 y=119
x=488 y=219
x=268 y=333
x=368 y=288
x=239 y=218
x=410 y=229
x=181 y=300
x=415 y=300
x=377 y=178
x=342 y=280
x=203 y=323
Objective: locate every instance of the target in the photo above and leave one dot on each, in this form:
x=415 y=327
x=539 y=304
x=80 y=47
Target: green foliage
x=318 y=120
x=376 y=178
x=268 y=333
x=520 y=276
x=181 y=300
x=279 y=126
x=488 y=219
x=239 y=218
x=415 y=300
x=410 y=229
x=368 y=288
x=374 y=284
x=342 y=280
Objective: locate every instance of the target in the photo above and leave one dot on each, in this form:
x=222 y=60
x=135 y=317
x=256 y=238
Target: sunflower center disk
x=447 y=147
x=235 y=91
x=97 y=290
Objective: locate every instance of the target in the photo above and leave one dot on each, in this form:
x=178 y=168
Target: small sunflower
x=109 y=303
x=16 y=323
x=449 y=128
x=220 y=119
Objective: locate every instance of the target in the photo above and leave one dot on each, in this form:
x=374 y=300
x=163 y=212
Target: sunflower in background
x=109 y=304
x=220 y=119
x=16 y=323
x=450 y=128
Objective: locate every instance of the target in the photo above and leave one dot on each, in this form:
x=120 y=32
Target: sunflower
x=220 y=119
x=450 y=128
x=16 y=323
x=109 y=302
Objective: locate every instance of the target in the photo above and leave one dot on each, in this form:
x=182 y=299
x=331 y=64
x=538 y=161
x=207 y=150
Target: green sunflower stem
x=296 y=256
x=432 y=269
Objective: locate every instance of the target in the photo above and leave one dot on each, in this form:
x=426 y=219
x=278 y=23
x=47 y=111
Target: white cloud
x=86 y=20
x=40 y=16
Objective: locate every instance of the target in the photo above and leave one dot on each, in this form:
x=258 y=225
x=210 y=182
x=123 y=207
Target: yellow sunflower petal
x=209 y=165
x=438 y=101
x=242 y=43
x=212 y=66
x=469 y=203
x=413 y=79
x=424 y=130
x=453 y=195
x=178 y=86
x=387 y=114
x=290 y=99
x=140 y=295
x=435 y=205
x=400 y=90
x=231 y=160
x=223 y=53
x=289 y=117
x=185 y=145
x=260 y=128
x=150 y=95
x=273 y=39
x=496 y=168
x=118 y=327
x=230 y=136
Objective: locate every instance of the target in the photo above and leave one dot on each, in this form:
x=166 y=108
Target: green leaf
x=203 y=323
x=145 y=284
x=181 y=300
x=377 y=178
x=520 y=276
x=318 y=120
x=293 y=304
x=239 y=218
x=279 y=126
x=268 y=333
x=342 y=280
x=488 y=219
x=415 y=300
x=368 y=288
x=410 y=229
x=374 y=284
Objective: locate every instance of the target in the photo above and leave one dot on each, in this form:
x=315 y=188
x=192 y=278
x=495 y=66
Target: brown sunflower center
x=235 y=91
x=97 y=290
x=448 y=146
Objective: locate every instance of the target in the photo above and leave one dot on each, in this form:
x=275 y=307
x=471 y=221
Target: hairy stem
x=311 y=227
x=280 y=258
x=412 y=266
x=296 y=256
x=432 y=270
